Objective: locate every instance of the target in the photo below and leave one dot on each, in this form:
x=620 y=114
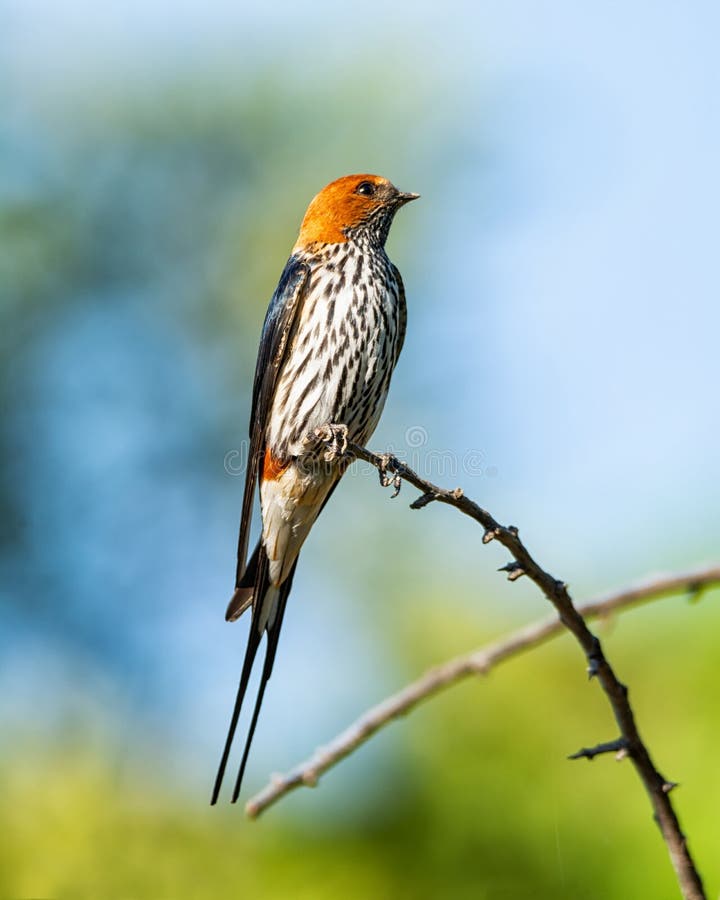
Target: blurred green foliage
x=479 y=800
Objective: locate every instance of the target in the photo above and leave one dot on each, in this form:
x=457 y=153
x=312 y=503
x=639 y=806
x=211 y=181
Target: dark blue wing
x=402 y=317
x=280 y=321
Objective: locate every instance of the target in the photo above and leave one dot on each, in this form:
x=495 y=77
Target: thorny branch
x=477 y=662
x=392 y=471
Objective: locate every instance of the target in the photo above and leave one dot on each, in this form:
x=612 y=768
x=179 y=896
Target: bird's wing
x=402 y=318
x=280 y=321
x=254 y=588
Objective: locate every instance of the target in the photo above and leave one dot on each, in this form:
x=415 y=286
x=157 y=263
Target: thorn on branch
x=669 y=786
x=514 y=570
x=423 y=500
x=619 y=747
x=431 y=495
x=490 y=535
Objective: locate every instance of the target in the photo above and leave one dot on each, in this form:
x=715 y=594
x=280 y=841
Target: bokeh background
x=561 y=364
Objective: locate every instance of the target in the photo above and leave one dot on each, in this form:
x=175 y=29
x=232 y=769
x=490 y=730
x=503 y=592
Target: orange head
x=352 y=206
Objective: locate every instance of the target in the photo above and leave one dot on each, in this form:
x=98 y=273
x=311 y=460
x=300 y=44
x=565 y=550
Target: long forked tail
x=268 y=609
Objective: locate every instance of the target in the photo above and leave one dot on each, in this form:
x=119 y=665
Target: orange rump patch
x=272 y=467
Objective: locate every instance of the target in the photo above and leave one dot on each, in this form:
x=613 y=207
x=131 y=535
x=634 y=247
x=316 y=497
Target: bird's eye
x=366 y=188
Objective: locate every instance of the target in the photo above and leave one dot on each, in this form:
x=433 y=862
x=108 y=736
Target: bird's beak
x=402 y=199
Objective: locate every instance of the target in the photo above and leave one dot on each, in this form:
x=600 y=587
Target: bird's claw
x=388 y=477
x=335 y=437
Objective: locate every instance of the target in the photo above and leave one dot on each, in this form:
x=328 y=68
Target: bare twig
x=598 y=666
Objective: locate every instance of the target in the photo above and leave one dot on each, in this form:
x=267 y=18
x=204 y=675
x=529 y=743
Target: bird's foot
x=389 y=476
x=335 y=437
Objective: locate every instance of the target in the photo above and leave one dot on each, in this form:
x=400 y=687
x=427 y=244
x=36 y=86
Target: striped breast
x=344 y=349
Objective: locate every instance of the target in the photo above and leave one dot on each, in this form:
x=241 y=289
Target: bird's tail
x=268 y=603
x=245 y=590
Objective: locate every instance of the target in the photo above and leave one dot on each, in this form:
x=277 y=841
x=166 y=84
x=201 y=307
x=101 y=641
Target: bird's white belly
x=338 y=369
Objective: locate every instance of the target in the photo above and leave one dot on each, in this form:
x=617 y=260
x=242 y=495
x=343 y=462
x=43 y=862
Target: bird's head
x=352 y=207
